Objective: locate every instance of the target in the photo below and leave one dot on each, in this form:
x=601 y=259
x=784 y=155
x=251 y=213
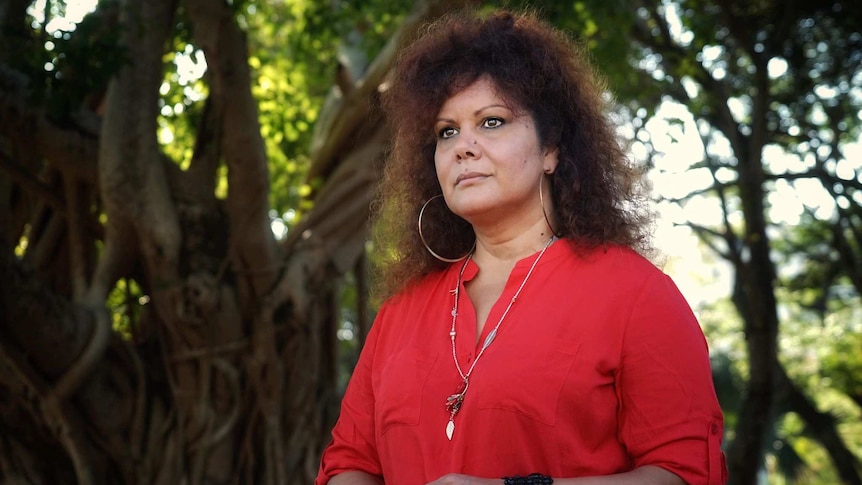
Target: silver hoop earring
x=425 y=243
x=544 y=213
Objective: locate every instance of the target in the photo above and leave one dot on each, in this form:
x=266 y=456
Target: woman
x=527 y=339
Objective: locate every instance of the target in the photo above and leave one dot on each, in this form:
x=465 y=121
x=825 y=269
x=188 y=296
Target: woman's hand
x=645 y=475
x=457 y=479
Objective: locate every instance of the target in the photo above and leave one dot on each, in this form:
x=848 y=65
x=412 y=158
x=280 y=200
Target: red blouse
x=599 y=367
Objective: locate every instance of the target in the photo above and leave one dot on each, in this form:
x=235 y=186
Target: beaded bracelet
x=532 y=479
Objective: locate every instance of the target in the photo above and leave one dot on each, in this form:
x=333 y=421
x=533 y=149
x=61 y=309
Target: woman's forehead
x=484 y=84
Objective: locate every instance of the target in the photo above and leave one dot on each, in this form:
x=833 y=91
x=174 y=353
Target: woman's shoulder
x=615 y=258
x=419 y=288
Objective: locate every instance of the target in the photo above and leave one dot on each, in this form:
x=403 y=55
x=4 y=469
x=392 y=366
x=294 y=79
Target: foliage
x=296 y=48
x=73 y=67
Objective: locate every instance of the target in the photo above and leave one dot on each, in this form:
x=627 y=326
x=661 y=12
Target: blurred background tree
x=184 y=190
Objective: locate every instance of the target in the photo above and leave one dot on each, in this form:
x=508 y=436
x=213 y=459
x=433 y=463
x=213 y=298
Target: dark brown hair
x=596 y=191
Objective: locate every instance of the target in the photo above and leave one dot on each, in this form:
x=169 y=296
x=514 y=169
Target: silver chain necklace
x=454 y=402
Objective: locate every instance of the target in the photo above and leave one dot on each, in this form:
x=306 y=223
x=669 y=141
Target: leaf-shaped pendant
x=450 y=429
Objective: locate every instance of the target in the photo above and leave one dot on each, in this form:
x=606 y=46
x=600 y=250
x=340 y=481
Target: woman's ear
x=550 y=160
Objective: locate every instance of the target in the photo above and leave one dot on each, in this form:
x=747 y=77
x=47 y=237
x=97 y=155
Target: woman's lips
x=468 y=176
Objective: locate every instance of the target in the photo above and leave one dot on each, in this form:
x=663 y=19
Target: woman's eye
x=492 y=122
x=447 y=132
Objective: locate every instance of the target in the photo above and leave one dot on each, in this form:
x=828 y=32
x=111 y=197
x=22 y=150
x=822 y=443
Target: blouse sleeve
x=669 y=415
x=353 y=445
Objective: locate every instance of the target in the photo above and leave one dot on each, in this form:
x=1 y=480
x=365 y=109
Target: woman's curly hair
x=597 y=192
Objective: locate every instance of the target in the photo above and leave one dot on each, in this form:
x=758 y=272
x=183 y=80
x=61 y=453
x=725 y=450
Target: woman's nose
x=468 y=147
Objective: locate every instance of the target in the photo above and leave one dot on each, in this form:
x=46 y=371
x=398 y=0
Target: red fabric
x=600 y=367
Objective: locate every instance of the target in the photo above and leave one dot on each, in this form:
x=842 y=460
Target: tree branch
x=821 y=425
x=31 y=183
x=76 y=216
x=132 y=179
x=707 y=235
x=335 y=129
x=70 y=150
x=242 y=146
x=722 y=118
x=16 y=373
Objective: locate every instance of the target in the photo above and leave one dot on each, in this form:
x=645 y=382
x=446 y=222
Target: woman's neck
x=499 y=245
